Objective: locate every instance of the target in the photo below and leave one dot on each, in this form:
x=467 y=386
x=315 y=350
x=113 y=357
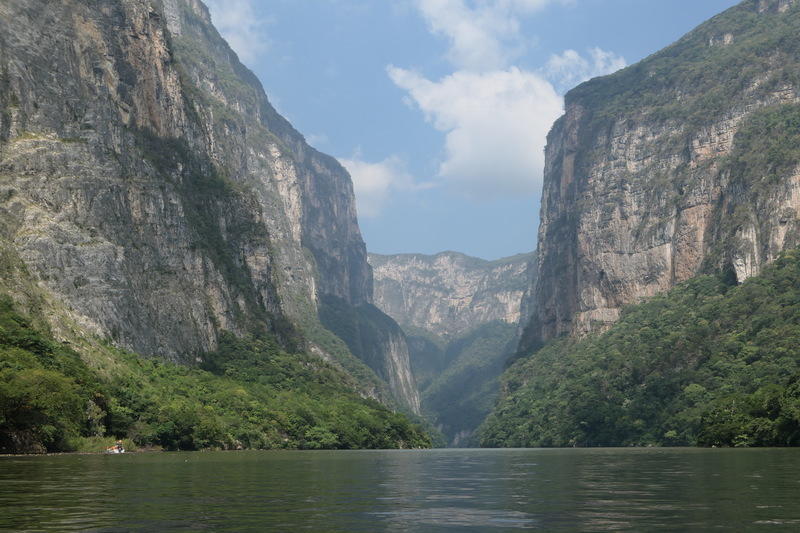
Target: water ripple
x=484 y=490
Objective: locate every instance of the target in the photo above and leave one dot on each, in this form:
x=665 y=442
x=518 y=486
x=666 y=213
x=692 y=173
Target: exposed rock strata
x=449 y=293
x=646 y=182
x=147 y=182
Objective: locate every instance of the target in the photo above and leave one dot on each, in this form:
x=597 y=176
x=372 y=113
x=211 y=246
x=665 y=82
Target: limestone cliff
x=460 y=314
x=377 y=340
x=147 y=183
x=449 y=293
x=683 y=163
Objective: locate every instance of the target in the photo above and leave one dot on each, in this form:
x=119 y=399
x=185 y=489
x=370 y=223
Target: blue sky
x=439 y=108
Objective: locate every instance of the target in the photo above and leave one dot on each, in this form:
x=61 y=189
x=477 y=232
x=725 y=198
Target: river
x=429 y=490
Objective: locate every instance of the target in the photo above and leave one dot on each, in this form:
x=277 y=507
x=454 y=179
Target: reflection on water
x=502 y=490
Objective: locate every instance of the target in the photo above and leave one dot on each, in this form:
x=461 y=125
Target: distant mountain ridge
x=461 y=316
x=449 y=293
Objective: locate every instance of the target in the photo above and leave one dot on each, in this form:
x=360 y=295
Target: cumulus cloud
x=570 y=68
x=495 y=116
x=239 y=23
x=495 y=126
x=482 y=34
x=374 y=182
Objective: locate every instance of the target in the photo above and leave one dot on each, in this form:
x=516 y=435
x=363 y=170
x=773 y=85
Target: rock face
x=147 y=182
x=460 y=314
x=449 y=293
x=377 y=340
x=681 y=164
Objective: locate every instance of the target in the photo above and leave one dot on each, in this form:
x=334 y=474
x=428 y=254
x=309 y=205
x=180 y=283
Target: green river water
x=431 y=490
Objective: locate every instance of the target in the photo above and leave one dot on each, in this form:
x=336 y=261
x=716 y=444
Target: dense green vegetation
x=767 y=145
x=707 y=364
x=47 y=394
x=249 y=394
x=463 y=393
x=696 y=79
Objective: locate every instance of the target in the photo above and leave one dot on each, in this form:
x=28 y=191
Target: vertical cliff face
x=147 y=183
x=683 y=163
x=307 y=197
x=98 y=153
x=377 y=340
x=449 y=293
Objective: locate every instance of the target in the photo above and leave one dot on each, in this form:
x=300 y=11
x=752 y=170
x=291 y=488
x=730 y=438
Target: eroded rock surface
x=148 y=184
x=449 y=293
x=652 y=174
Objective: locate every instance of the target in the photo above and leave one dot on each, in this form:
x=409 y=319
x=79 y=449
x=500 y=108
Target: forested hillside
x=247 y=394
x=710 y=363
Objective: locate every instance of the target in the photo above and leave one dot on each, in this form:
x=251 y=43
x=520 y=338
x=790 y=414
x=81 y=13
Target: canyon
x=460 y=315
x=151 y=194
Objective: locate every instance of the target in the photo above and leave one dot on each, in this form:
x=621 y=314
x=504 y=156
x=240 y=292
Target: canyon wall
x=681 y=164
x=148 y=185
x=449 y=293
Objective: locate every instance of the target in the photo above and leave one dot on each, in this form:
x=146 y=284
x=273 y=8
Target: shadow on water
x=551 y=490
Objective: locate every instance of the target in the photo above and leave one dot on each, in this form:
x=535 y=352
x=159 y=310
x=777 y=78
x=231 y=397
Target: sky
x=439 y=109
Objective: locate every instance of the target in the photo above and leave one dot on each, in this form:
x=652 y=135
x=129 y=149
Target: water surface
x=432 y=490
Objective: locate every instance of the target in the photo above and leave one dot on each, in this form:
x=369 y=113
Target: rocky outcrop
x=147 y=183
x=449 y=293
x=678 y=165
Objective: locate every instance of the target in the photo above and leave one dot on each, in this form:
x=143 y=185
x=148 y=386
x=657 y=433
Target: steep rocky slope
x=147 y=184
x=376 y=339
x=684 y=163
x=449 y=293
x=460 y=314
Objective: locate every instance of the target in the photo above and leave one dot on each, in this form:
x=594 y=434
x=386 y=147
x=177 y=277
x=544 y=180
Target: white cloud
x=483 y=34
x=317 y=139
x=240 y=25
x=570 y=68
x=495 y=116
x=495 y=123
x=374 y=182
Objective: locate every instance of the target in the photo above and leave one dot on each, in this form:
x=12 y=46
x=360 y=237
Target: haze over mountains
x=460 y=314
